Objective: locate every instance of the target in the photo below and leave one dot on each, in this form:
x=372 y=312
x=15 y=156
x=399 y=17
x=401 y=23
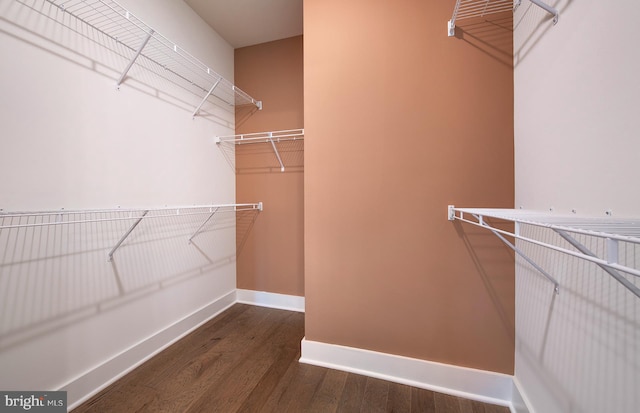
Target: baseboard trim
x=88 y=384
x=484 y=386
x=480 y=385
x=272 y=300
x=519 y=401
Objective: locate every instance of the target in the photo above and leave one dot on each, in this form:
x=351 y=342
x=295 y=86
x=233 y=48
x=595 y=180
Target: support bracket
x=195 y=112
x=133 y=59
x=203 y=224
x=133 y=226
x=451 y=28
x=451 y=216
x=275 y=149
x=556 y=285
x=548 y=9
x=615 y=274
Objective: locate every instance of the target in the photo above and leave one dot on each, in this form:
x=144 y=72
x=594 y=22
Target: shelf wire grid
x=621 y=229
x=465 y=9
x=159 y=55
x=16 y=220
x=618 y=235
x=261 y=137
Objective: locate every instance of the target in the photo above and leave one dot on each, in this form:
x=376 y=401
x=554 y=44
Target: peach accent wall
x=401 y=121
x=270 y=247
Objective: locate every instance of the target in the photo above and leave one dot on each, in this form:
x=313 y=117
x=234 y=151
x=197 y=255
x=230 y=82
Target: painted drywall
x=71 y=140
x=270 y=248
x=577 y=96
x=401 y=120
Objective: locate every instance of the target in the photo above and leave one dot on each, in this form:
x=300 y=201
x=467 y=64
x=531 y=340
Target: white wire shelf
x=149 y=48
x=265 y=137
x=34 y=219
x=466 y=9
x=612 y=230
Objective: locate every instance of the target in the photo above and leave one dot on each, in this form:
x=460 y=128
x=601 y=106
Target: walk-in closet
x=319 y=206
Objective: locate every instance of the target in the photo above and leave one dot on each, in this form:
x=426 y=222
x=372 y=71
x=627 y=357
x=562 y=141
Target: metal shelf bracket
x=195 y=112
x=275 y=150
x=482 y=223
x=203 y=224
x=612 y=257
x=124 y=237
x=133 y=59
x=551 y=10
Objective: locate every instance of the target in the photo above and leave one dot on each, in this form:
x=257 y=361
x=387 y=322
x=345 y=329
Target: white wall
x=69 y=139
x=577 y=101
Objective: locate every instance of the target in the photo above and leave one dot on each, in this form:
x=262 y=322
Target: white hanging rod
x=123 y=27
x=265 y=137
x=612 y=230
x=466 y=9
x=66 y=217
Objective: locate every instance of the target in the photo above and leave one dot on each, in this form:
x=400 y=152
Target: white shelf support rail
x=265 y=137
x=612 y=248
x=275 y=150
x=556 y=285
x=152 y=50
x=612 y=231
x=204 y=99
x=551 y=10
x=451 y=215
x=466 y=9
x=126 y=234
x=133 y=59
x=204 y=223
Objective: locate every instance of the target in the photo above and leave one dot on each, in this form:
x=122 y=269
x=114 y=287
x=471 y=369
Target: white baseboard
x=480 y=385
x=87 y=385
x=272 y=300
x=519 y=401
x=484 y=386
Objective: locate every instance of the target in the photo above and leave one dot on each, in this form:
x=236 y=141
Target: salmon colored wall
x=270 y=247
x=400 y=121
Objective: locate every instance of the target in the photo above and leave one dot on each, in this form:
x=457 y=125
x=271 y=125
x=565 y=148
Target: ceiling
x=247 y=22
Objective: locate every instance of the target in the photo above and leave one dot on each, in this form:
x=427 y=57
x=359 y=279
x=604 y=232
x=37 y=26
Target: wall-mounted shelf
x=149 y=48
x=613 y=231
x=22 y=220
x=466 y=9
x=264 y=137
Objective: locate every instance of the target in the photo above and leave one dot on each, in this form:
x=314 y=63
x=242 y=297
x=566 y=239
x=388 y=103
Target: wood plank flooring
x=246 y=360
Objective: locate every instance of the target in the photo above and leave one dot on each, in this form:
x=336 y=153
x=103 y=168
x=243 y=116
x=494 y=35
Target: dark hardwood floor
x=246 y=360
